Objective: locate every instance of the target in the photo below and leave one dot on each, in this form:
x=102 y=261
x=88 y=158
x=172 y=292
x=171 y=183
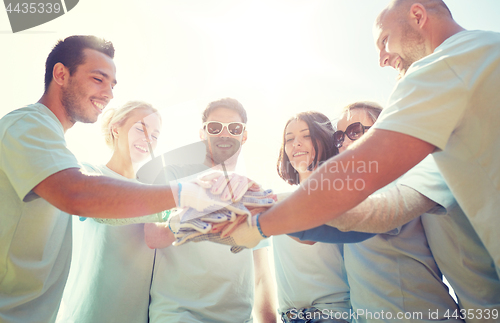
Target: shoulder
x=34 y=116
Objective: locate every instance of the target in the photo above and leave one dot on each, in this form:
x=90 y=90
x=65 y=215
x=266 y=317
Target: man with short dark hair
x=217 y=285
x=40 y=179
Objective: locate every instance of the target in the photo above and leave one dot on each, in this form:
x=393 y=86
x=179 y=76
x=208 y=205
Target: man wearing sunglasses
x=446 y=104
x=217 y=285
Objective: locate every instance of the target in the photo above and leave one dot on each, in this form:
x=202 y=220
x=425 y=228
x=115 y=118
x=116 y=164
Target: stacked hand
x=214 y=209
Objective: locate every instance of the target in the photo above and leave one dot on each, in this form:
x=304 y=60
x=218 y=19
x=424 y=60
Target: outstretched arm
x=265 y=291
x=103 y=197
x=374 y=161
x=384 y=211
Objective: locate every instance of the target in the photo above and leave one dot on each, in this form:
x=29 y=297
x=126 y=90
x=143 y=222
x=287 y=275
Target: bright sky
x=277 y=57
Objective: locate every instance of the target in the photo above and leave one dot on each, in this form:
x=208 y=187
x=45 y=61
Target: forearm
x=319 y=199
x=265 y=292
x=382 y=212
x=103 y=197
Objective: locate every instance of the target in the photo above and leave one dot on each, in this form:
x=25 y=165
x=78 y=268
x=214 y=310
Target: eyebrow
x=289 y=133
x=105 y=76
x=145 y=125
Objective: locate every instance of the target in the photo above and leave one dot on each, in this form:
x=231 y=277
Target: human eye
x=384 y=41
x=98 y=79
x=139 y=129
x=289 y=140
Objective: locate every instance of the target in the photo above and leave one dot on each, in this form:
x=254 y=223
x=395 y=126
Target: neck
x=444 y=31
x=53 y=102
x=304 y=175
x=122 y=166
x=228 y=165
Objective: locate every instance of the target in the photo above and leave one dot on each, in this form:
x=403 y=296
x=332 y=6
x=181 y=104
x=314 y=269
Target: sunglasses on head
x=354 y=131
x=216 y=127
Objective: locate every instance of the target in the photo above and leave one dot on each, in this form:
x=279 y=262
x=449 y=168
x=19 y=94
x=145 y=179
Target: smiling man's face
x=399 y=45
x=223 y=147
x=87 y=92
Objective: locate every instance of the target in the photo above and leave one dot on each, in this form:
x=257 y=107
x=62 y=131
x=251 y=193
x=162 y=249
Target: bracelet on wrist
x=165 y=215
x=179 y=188
x=258 y=226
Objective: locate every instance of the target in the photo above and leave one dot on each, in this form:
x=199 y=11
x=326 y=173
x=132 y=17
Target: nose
x=107 y=92
x=296 y=142
x=383 y=58
x=224 y=132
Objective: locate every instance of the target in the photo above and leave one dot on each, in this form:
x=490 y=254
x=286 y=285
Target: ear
x=60 y=73
x=203 y=135
x=114 y=130
x=244 y=139
x=418 y=14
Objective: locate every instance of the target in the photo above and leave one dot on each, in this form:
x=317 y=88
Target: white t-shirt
x=310 y=275
x=110 y=272
x=201 y=282
x=35 y=237
x=395 y=273
x=451 y=99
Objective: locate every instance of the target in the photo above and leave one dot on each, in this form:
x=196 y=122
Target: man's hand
x=244 y=235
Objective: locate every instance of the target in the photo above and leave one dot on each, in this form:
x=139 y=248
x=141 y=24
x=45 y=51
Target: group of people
x=377 y=252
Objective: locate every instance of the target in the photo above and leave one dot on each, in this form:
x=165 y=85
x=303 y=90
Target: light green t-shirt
x=35 y=237
x=311 y=275
x=201 y=282
x=110 y=273
x=451 y=99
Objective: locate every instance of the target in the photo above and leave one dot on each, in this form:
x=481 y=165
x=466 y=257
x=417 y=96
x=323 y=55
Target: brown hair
x=321 y=131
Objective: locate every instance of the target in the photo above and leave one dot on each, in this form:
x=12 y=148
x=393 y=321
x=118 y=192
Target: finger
x=258 y=210
x=220 y=184
x=237 y=188
x=232 y=226
x=207 y=181
x=255 y=187
x=219 y=227
x=231 y=188
x=259 y=202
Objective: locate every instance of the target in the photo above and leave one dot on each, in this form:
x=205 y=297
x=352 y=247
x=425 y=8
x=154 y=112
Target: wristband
x=165 y=215
x=179 y=193
x=258 y=226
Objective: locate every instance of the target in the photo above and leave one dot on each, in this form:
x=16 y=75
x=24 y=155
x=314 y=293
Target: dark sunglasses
x=354 y=131
x=216 y=127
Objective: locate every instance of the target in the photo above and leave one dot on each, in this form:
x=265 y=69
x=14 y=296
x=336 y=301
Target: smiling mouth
x=98 y=105
x=300 y=153
x=223 y=146
x=141 y=148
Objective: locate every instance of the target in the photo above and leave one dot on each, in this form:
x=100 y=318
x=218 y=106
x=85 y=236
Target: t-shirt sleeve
x=428 y=103
x=31 y=150
x=328 y=234
x=426 y=179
